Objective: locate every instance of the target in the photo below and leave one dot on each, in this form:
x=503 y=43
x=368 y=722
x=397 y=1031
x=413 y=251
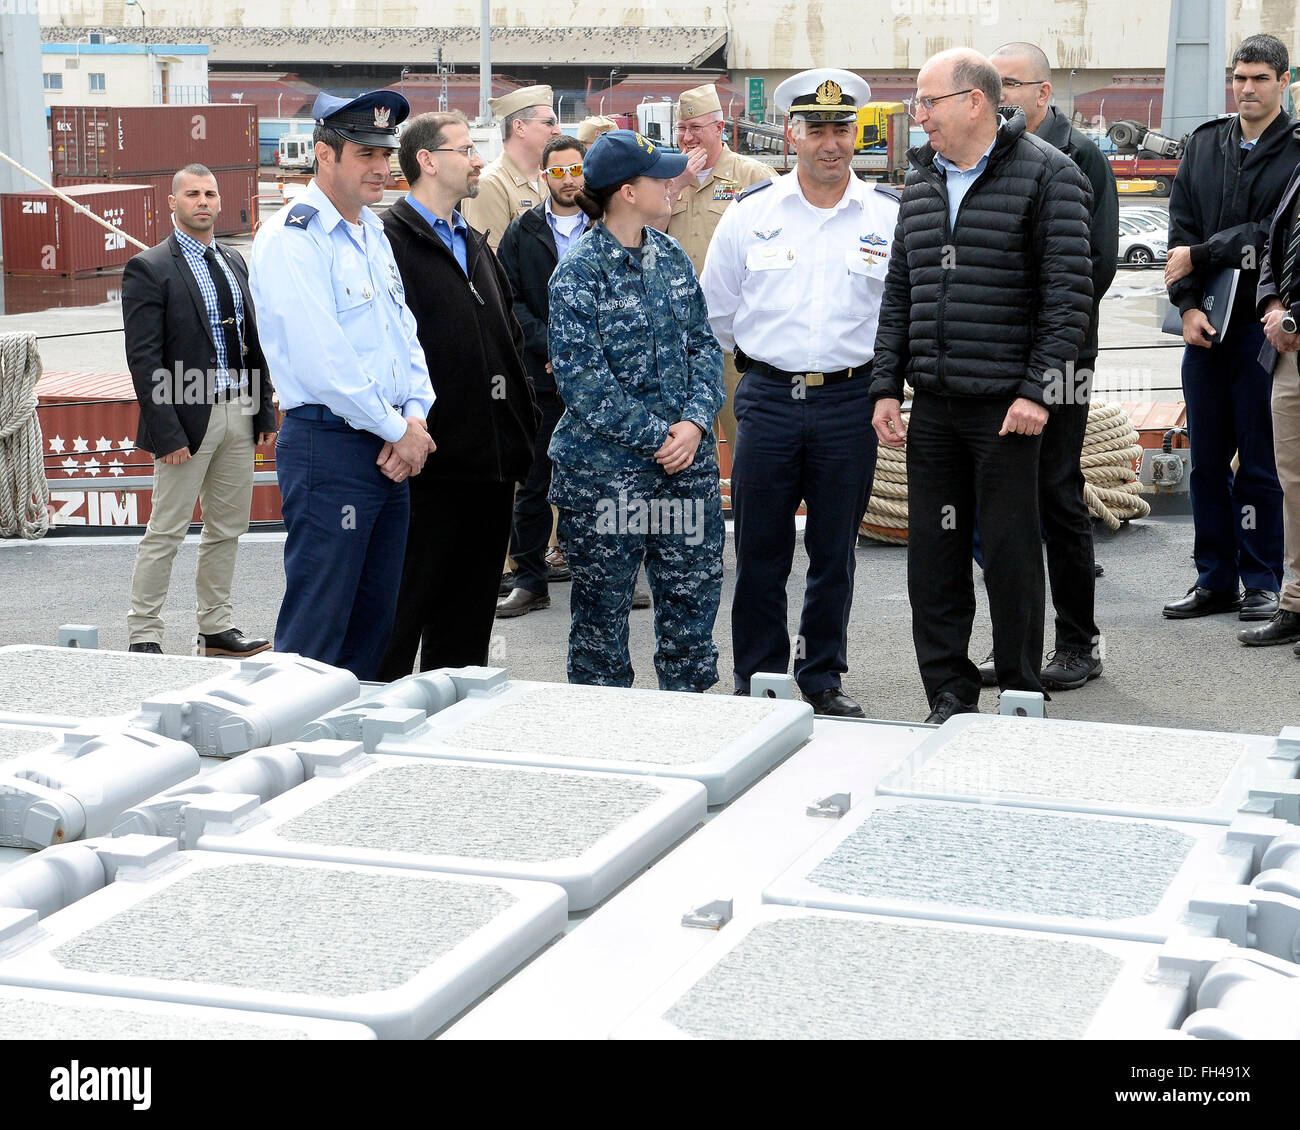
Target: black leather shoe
x=1068 y=670
x=834 y=703
x=1284 y=627
x=946 y=705
x=640 y=598
x=988 y=673
x=1202 y=602
x=557 y=569
x=155 y=649
x=1258 y=604
x=232 y=642
x=1097 y=570
x=520 y=602
x=507 y=585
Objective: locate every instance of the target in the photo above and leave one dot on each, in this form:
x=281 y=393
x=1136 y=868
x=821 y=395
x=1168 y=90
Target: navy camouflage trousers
x=673 y=523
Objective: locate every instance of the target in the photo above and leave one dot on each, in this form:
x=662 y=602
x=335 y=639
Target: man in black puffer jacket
x=987 y=300
x=484 y=417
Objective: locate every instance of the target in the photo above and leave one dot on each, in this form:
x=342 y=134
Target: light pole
x=612 y=73
x=401 y=80
x=144 y=16
x=1069 y=88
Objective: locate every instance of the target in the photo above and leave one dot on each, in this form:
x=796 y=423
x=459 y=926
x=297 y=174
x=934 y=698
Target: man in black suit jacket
x=205 y=394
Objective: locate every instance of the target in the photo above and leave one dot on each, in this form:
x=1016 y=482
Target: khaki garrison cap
x=591 y=128
x=697 y=102
x=521 y=99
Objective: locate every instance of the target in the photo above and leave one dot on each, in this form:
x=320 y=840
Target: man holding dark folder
x=1232 y=176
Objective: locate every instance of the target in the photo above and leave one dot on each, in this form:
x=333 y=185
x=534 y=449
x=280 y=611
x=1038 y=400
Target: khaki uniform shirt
x=700 y=207
x=503 y=193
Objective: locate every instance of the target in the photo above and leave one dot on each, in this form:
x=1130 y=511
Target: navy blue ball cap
x=371 y=118
x=623 y=154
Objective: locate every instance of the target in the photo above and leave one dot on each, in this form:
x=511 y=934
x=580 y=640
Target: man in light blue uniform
x=354 y=387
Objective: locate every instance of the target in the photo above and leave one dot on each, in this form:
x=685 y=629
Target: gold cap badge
x=829 y=93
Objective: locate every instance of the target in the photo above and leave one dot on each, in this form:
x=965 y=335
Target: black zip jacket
x=1104 y=222
x=1222 y=202
x=484 y=416
x=998 y=307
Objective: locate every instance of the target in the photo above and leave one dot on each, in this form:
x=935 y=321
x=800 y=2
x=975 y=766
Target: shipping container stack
x=147 y=144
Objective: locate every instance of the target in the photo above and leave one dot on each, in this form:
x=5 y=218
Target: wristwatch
x=1288 y=323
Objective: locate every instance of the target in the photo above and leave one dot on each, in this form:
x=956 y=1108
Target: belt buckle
x=814 y=380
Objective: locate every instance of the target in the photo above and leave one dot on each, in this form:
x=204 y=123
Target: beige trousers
x=727 y=414
x=220 y=478
x=1286 y=449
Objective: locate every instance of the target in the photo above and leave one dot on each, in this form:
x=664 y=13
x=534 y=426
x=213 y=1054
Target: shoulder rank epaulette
x=1211 y=122
x=890 y=191
x=300 y=215
x=753 y=188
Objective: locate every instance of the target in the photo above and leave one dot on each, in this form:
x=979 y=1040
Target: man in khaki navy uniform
x=713 y=178
x=591 y=128
x=512 y=184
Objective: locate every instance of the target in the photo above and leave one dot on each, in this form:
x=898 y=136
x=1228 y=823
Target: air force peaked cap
x=822 y=95
x=368 y=119
x=623 y=154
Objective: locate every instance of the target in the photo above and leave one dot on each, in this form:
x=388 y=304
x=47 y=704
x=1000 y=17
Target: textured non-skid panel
x=985 y=858
x=605 y=723
x=97 y=1018
x=69 y=682
x=1126 y=766
x=329 y=932
x=818 y=977
x=18 y=740
x=482 y=812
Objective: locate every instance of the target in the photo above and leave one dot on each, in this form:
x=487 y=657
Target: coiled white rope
x=24 y=493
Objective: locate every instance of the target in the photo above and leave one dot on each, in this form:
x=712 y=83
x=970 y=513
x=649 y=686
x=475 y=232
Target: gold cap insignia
x=829 y=93
x=688 y=111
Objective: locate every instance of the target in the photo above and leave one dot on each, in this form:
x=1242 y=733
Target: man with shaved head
x=987 y=299
x=1067 y=526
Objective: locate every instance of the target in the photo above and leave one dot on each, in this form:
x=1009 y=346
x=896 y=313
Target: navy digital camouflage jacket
x=632 y=352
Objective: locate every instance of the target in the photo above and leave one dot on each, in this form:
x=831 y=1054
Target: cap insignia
x=381 y=117
x=829 y=93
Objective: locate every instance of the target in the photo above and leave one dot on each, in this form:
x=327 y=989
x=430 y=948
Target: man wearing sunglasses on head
x=532 y=247
x=512 y=184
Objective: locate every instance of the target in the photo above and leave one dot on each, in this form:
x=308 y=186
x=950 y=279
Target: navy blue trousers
x=1238 y=518
x=346 y=525
x=818 y=447
x=532 y=517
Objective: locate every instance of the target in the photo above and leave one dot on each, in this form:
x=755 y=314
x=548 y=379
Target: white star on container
x=92 y=468
x=115 y=468
x=103 y=444
x=125 y=443
x=80 y=445
x=70 y=466
x=57 y=445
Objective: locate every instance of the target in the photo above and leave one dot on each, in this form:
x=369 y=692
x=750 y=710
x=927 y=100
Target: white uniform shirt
x=796 y=286
x=332 y=318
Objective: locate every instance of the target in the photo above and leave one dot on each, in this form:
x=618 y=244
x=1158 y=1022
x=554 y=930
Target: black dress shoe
x=1067 y=670
x=520 y=602
x=834 y=703
x=640 y=597
x=154 y=649
x=557 y=568
x=1097 y=570
x=1284 y=627
x=1258 y=604
x=232 y=642
x=946 y=705
x=1202 y=602
x=507 y=585
x=988 y=673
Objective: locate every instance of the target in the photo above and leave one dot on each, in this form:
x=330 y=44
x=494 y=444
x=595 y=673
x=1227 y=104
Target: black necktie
x=226 y=302
x=1288 y=283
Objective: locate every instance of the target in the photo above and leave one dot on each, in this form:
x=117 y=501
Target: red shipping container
x=89 y=422
x=45 y=235
x=110 y=142
x=238 y=188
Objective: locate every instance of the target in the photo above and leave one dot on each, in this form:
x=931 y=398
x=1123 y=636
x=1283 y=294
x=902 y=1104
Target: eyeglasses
x=548 y=122
x=1017 y=82
x=927 y=104
x=695 y=131
x=467 y=151
x=557 y=171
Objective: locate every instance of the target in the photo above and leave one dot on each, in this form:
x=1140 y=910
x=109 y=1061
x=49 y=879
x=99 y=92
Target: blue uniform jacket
x=633 y=353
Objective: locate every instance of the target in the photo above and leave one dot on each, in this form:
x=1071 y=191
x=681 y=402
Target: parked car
x=1138 y=246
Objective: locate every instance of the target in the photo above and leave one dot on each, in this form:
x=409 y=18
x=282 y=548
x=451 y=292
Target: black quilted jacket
x=999 y=306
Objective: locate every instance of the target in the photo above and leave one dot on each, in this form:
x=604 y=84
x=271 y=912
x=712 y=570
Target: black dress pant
x=957 y=463
x=533 y=521
x=447 y=602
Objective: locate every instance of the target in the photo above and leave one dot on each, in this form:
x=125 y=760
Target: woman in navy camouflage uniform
x=635 y=471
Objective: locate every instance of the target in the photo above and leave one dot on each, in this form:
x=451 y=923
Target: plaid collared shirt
x=193 y=251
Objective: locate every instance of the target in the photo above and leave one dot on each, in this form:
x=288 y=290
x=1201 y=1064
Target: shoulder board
x=300 y=215
x=890 y=191
x=1212 y=123
x=753 y=188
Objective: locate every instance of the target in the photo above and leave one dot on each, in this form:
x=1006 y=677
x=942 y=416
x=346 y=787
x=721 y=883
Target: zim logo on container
x=36 y=207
